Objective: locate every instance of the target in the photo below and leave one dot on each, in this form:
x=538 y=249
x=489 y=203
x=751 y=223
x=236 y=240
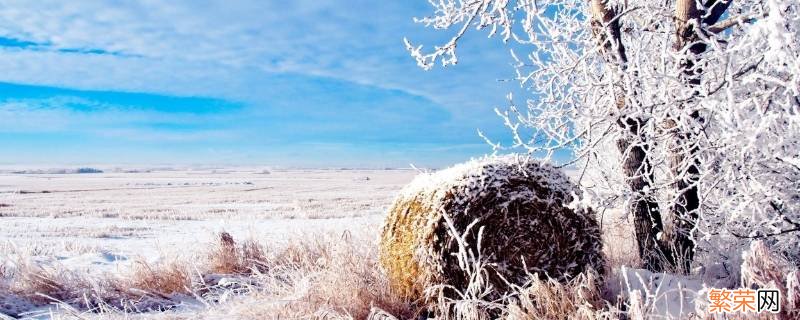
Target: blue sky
x=286 y=83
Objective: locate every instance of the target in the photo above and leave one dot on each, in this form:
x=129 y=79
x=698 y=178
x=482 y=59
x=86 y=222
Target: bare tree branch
x=730 y=22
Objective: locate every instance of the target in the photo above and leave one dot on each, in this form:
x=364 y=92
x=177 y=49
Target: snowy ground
x=100 y=223
x=92 y=221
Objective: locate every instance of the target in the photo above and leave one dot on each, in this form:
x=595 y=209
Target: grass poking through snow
x=329 y=276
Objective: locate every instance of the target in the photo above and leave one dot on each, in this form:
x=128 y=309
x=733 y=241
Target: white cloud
x=217 y=48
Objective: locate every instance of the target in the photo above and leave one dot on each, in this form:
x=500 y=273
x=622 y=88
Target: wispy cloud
x=324 y=70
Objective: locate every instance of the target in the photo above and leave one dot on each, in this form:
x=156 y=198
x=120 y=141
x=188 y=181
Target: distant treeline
x=59 y=171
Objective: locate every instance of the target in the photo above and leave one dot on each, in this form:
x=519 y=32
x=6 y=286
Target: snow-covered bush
x=510 y=214
x=686 y=112
x=762 y=269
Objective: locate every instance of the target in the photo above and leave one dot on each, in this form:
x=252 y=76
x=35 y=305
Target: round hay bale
x=522 y=207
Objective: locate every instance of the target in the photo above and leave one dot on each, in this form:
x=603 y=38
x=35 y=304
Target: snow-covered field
x=100 y=225
x=125 y=214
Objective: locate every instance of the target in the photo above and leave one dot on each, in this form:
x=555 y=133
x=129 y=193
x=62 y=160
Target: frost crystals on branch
x=685 y=112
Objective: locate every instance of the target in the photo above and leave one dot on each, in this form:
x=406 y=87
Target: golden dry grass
x=328 y=277
x=579 y=298
x=409 y=226
x=162 y=279
x=324 y=276
x=230 y=257
x=44 y=284
x=331 y=276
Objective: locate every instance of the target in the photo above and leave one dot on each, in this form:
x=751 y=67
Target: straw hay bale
x=520 y=203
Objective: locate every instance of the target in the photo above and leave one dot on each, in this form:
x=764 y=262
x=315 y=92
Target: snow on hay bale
x=521 y=205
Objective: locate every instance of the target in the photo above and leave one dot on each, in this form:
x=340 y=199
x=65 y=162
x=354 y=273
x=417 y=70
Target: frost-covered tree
x=685 y=112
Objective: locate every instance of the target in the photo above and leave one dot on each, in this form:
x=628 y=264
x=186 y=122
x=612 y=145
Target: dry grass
x=400 y=238
x=764 y=269
x=580 y=298
x=43 y=284
x=514 y=209
x=619 y=242
x=9 y=248
x=162 y=280
x=330 y=276
x=229 y=258
x=324 y=276
x=143 y=288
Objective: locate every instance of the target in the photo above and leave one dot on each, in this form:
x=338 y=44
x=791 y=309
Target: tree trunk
x=634 y=147
x=647 y=221
x=683 y=160
x=685 y=206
